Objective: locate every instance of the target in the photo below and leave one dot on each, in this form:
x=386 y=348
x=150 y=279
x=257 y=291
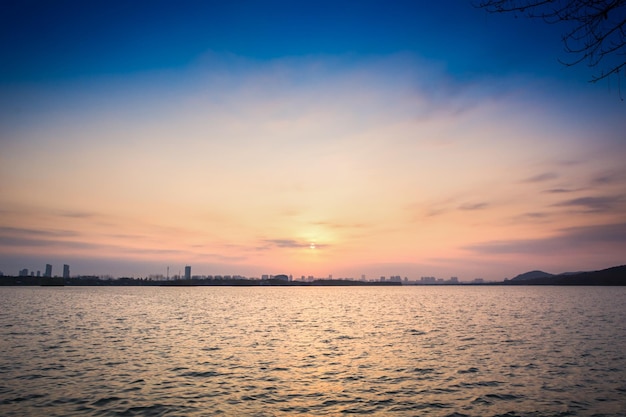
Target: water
x=284 y=351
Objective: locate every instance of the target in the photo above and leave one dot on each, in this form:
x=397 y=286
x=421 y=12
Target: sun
x=312 y=246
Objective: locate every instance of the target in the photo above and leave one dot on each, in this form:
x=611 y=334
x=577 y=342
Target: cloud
x=7 y=232
x=613 y=233
x=546 y=176
x=13 y=237
x=16 y=241
x=566 y=240
x=559 y=191
x=288 y=243
x=76 y=214
x=126 y=236
x=535 y=215
x=473 y=206
x=439 y=209
x=593 y=204
x=435 y=212
x=606 y=178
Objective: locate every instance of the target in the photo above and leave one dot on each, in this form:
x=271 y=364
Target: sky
x=318 y=138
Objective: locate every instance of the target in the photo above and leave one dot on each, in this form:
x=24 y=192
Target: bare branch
x=596 y=28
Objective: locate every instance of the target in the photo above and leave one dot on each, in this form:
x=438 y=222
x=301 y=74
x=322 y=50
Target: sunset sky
x=303 y=137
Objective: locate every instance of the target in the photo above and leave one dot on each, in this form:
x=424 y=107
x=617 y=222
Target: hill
x=531 y=275
x=610 y=276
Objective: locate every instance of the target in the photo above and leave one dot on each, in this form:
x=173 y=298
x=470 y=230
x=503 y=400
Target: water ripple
x=405 y=351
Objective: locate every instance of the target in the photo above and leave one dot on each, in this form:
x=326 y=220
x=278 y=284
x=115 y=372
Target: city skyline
x=312 y=138
x=187 y=275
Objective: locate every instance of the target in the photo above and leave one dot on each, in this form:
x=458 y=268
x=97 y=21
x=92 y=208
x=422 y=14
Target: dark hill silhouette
x=531 y=275
x=610 y=276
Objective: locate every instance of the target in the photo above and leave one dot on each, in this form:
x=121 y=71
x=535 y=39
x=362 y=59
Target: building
x=23 y=272
x=48 y=273
x=66 y=271
x=188 y=272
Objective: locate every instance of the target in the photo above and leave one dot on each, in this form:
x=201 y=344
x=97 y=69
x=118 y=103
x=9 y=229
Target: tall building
x=48 y=272
x=187 y=272
x=66 y=271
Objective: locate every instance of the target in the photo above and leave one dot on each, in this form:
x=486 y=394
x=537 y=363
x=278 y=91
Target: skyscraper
x=66 y=271
x=187 y=272
x=48 y=272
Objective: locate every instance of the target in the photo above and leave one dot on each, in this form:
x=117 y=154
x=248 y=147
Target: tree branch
x=598 y=31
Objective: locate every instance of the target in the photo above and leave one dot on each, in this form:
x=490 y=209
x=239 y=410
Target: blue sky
x=66 y=39
x=311 y=138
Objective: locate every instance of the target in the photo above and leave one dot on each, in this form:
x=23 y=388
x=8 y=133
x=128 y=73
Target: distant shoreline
x=140 y=282
x=615 y=276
